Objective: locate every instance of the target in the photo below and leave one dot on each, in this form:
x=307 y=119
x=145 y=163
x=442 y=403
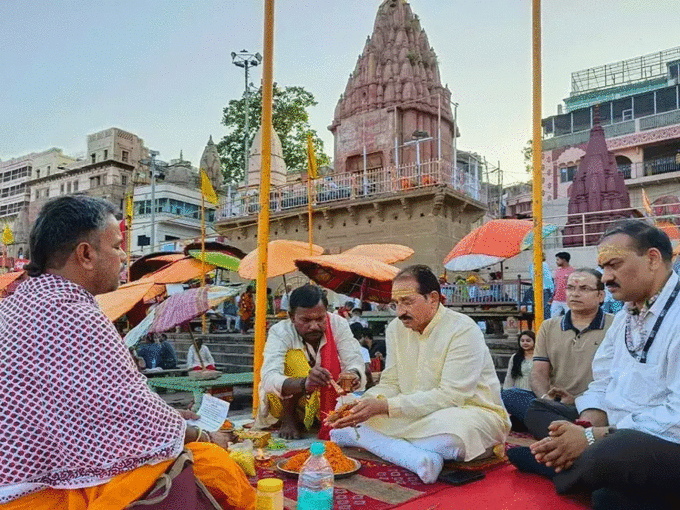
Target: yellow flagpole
x=310 y=212
x=128 y=237
x=265 y=176
x=537 y=174
x=202 y=254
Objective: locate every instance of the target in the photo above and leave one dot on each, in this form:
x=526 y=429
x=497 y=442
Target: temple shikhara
x=393 y=96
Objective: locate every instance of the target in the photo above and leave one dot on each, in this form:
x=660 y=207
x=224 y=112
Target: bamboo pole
x=265 y=176
x=310 y=212
x=203 y=321
x=537 y=172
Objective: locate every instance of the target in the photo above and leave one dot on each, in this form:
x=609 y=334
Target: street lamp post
x=246 y=60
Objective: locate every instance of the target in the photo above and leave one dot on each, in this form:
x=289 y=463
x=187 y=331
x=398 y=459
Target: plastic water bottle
x=315 y=483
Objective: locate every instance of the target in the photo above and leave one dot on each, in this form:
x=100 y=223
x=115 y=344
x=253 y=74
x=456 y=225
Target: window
x=61 y=189
x=143 y=241
x=123 y=180
x=37 y=174
x=567 y=174
x=103 y=180
x=68 y=187
x=666 y=100
x=94 y=157
x=95 y=181
x=106 y=154
x=75 y=186
x=47 y=192
x=48 y=169
x=125 y=156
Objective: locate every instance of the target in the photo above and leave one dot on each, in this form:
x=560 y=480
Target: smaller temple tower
x=210 y=162
x=278 y=170
x=598 y=187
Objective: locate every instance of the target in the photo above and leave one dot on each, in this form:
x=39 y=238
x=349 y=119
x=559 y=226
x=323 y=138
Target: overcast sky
x=162 y=69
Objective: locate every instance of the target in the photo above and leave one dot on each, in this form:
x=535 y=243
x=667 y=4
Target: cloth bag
x=177 y=488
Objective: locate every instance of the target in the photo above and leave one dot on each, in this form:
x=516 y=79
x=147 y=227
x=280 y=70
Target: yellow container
x=269 y=494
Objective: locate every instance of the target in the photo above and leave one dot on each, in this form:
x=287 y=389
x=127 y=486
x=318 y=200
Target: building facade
x=637 y=102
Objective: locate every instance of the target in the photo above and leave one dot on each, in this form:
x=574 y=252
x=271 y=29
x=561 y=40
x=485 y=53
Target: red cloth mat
x=502 y=489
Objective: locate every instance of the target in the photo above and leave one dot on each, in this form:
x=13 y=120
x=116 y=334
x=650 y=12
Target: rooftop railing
x=373 y=183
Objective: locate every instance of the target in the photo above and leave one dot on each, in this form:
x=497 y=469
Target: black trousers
x=542 y=413
x=628 y=469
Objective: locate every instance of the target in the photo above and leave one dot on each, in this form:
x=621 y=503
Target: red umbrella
x=353 y=275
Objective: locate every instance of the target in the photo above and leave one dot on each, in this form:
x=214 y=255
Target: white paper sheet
x=213 y=413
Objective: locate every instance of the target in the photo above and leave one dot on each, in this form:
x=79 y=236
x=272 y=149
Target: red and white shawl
x=75 y=410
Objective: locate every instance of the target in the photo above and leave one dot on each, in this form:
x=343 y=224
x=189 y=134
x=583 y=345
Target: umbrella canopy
x=217 y=258
x=119 y=302
x=152 y=262
x=387 y=253
x=353 y=275
x=281 y=255
x=493 y=242
x=528 y=241
x=215 y=246
x=180 y=271
x=7 y=278
x=178 y=309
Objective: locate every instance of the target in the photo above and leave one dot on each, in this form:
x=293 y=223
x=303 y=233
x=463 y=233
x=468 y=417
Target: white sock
x=449 y=446
x=426 y=464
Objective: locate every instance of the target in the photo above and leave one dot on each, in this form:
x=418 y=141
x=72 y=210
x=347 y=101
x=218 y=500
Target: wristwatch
x=589 y=436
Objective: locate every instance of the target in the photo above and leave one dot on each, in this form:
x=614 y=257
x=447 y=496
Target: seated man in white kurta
x=438 y=397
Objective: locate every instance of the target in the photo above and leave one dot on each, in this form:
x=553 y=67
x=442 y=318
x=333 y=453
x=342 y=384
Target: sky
x=162 y=69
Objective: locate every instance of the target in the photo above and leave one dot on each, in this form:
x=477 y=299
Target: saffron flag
x=312 y=170
x=646 y=203
x=7 y=236
x=207 y=189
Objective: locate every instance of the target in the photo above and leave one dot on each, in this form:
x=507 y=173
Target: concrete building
x=15 y=194
x=638 y=104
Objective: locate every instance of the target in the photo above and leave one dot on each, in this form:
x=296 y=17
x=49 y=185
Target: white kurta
x=282 y=338
x=193 y=361
x=441 y=382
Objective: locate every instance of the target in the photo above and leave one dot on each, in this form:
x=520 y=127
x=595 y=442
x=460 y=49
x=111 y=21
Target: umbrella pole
x=193 y=340
x=265 y=181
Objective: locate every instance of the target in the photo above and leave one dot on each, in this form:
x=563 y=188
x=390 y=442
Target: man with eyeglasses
x=625 y=447
x=438 y=397
x=565 y=348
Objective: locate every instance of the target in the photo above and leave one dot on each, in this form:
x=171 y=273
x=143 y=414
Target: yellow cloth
x=296 y=365
x=442 y=381
x=212 y=465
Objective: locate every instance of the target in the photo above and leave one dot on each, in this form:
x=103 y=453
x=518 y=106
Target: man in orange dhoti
x=80 y=428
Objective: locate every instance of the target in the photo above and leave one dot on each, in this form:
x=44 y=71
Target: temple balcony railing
x=372 y=183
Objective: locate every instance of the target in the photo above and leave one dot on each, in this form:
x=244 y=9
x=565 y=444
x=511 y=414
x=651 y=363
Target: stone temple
x=393 y=95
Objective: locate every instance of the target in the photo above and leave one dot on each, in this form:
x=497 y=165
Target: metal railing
x=496 y=292
x=352 y=186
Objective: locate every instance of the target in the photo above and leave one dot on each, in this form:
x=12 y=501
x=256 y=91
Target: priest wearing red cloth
x=301 y=357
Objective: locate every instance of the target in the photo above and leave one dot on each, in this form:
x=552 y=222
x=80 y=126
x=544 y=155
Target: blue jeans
x=517 y=401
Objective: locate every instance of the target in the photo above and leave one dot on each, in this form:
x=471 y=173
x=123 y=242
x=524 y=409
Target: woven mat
x=377 y=486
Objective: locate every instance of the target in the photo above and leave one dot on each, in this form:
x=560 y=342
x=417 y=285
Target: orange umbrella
x=387 y=253
x=180 y=271
x=353 y=275
x=119 y=302
x=7 y=278
x=491 y=243
x=281 y=255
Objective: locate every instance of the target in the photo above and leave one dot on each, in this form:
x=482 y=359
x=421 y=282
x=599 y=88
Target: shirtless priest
x=438 y=397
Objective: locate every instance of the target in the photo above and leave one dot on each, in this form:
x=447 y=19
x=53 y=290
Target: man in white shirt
x=626 y=446
x=439 y=396
x=301 y=357
x=285 y=300
x=357 y=317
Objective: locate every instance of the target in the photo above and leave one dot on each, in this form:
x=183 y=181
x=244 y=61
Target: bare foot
x=289 y=430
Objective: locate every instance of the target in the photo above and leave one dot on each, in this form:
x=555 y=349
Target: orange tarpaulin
x=387 y=253
x=173 y=257
x=117 y=303
x=281 y=255
x=7 y=278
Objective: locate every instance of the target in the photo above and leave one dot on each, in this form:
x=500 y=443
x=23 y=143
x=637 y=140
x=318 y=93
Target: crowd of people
x=597 y=391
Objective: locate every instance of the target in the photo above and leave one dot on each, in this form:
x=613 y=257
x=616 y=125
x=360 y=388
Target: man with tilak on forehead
x=625 y=446
x=438 y=397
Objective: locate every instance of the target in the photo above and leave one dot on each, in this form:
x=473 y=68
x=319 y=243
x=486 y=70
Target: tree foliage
x=291 y=122
x=528 y=153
